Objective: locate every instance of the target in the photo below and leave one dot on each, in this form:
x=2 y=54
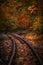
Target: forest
x=21 y=14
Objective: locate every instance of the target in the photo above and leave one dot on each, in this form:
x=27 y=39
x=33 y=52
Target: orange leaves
x=22 y=18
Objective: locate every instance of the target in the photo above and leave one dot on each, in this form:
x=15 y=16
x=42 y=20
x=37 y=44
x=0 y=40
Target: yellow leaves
x=36 y=21
x=32 y=8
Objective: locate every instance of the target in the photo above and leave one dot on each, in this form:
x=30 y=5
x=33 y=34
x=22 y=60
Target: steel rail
x=13 y=50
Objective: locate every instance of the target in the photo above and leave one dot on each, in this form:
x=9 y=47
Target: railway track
x=22 y=40
x=13 y=36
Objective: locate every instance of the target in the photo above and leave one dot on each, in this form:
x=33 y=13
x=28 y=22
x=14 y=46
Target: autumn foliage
x=20 y=14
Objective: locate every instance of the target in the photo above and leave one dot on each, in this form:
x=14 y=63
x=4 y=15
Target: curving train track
x=12 y=37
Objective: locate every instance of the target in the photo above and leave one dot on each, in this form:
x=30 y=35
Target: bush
x=39 y=27
x=9 y=24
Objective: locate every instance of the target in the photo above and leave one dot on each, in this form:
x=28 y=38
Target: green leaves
x=9 y=24
x=39 y=27
x=12 y=23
